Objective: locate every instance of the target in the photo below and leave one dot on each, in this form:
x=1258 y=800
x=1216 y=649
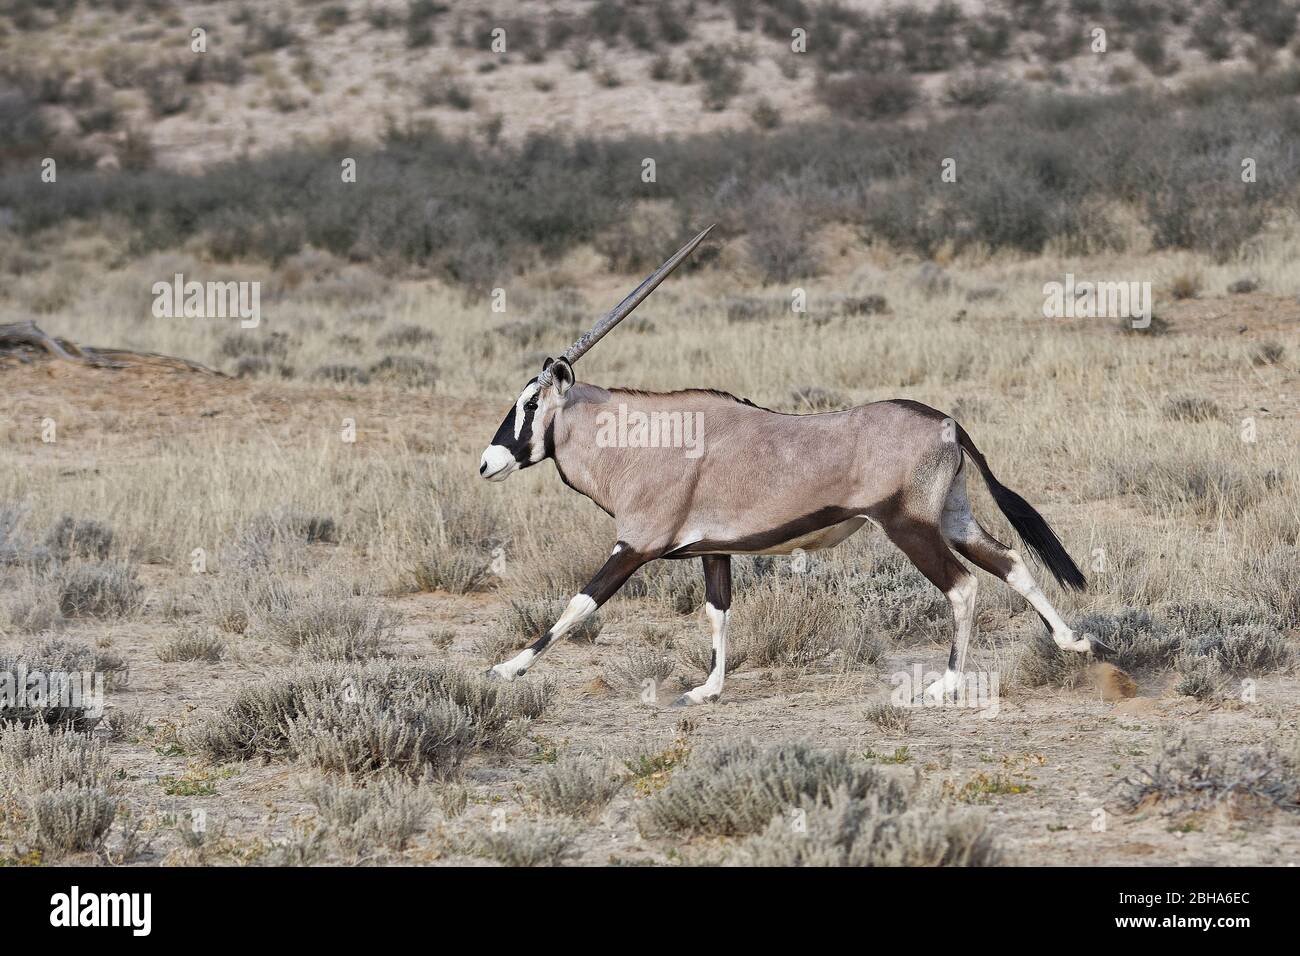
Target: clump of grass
x=329 y=624
x=734 y=789
x=1199 y=676
x=890 y=718
x=363 y=819
x=1244 y=649
x=1272 y=581
x=1267 y=353
x=578 y=787
x=101 y=590
x=1131 y=639
x=1041 y=663
x=1188 y=773
x=456 y=570
x=1193 y=408
x=74 y=538
x=363 y=718
x=641 y=664
x=64 y=665
x=868 y=832
x=793 y=621
x=527 y=844
x=57 y=785
x=193 y=645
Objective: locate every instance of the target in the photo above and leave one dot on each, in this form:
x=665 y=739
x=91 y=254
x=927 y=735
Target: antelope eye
x=530 y=405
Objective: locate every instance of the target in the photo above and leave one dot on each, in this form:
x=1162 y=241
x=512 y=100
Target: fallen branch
x=19 y=338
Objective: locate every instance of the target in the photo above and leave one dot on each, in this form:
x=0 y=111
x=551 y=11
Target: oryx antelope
x=765 y=482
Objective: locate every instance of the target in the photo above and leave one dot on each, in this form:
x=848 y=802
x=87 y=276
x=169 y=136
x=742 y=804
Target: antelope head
x=521 y=439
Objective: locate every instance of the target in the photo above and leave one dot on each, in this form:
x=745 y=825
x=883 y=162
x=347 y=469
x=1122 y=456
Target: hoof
x=686 y=700
x=500 y=673
x=1080 y=645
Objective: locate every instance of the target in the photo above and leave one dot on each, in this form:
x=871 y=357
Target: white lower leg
x=579 y=608
x=1024 y=583
x=711 y=689
x=962 y=599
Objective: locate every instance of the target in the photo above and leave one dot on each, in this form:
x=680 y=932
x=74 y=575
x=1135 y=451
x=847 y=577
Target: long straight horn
x=624 y=308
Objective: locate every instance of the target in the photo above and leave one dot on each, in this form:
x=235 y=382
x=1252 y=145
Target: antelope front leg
x=717 y=606
x=613 y=573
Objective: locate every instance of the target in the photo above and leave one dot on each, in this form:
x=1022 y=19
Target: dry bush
x=328 y=623
x=1131 y=639
x=1199 y=676
x=794 y=621
x=382 y=814
x=192 y=645
x=526 y=844
x=1192 y=408
x=1189 y=773
x=870 y=96
x=732 y=789
x=1042 y=663
x=62 y=663
x=1204 y=486
x=578 y=787
x=642 y=664
x=362 y=718
x=58 y=785
x=871 y=832
x=1272 y=580
x=73 y=538
x=890 y=718
x=1244 y=649
x=101 y=590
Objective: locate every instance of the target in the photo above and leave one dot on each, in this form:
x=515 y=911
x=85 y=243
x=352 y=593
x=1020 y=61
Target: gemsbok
x=755 y=481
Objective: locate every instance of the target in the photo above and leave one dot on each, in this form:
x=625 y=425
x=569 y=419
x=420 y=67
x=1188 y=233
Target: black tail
x=1029 y=524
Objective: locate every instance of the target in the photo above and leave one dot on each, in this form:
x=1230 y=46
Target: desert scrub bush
x=1244 y=649
x=1199 y=676
x=192 y=644
x=643 y=667
x=457 y=555
x=57 y=786
x=31 y=604
x=1192 y=408
x=870 y=96
x=101 y=589
x=526 y=620
x=1041 y=663
x=413 y=717
x=732 y=789
x=329 y=624
x=890 y=718
x=374 y=729
x=1190 y=772
x=382 y=814
x=1272 y=580
x=862 y=832
x=526 y=843
x=794 y=621
x=70 y=672
x=895 y=601
x=577 y=787
x=1130 y=638
x=73 y=538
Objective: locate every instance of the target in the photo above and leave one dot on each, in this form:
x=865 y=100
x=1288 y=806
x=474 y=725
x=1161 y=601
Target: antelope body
x=755 y=481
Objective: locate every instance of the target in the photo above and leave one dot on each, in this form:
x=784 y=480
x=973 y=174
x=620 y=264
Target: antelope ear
x=561 y=373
